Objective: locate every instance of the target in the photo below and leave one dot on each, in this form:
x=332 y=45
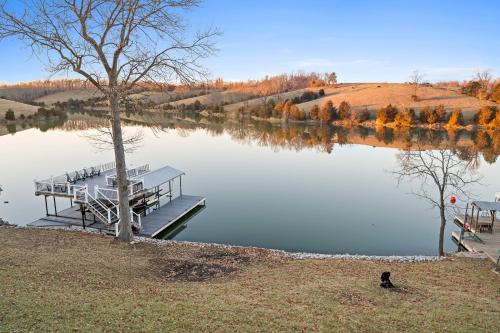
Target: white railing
x=110 y=213
x=135 y=218
x=109 y=194
x=136 y=187
x=81 y=194
x=61 y=184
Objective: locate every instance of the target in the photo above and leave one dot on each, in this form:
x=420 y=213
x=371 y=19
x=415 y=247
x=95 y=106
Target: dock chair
x=69 y=179
x=78 y=176
x=85 y=174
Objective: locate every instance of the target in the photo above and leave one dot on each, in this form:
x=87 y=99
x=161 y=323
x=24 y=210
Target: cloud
x=323 y=63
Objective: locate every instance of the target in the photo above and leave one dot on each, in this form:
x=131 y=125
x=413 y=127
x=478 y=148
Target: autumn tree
x=115 y=46
x=331 y=78
x=495 y=93
x=344 y=110
x=485 y=115
x=362 y=116
x=456 y=118
x=439 y=173
x=405 y=118
x=387 y=114
x=314 y=112
x=327 y=112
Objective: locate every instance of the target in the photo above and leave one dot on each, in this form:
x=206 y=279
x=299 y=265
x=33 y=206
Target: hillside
x=48 y=285
x=373 y=96
x=18 y=108
x=62 y=96
x=258 y=101
x=160 y=97
x=215 y=98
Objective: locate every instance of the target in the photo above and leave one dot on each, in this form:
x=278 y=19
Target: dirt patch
x=206 y=263
x=190 y=271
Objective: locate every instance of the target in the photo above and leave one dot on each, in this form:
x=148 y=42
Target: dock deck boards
x=490 y=244
x=71 y=217
x=168 y=214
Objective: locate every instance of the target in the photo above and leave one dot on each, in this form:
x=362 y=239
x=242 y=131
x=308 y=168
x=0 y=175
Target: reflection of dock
x=480 y=242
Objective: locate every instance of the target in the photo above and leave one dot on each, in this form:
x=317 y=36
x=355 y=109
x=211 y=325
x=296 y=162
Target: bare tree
x=484 y=78
x=441 y=170
x=115 y=45
x=416 y=79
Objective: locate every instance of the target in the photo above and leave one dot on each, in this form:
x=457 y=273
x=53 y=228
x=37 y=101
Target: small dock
x=480 y=242
x=162 y=218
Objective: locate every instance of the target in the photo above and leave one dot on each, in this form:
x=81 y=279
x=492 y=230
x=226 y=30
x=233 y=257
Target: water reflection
x=468 y=144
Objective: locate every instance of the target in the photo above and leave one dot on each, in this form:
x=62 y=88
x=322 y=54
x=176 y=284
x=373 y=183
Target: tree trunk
x=441 y=228
x=124 y=228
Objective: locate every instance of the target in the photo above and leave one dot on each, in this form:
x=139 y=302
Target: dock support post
x=170 y=190
x=158 y=197
x=82 y=210
x=55 y=206
x=180 y=185
x=46 y=206
x=71 y=201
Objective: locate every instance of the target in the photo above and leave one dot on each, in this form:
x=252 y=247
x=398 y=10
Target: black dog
x=386 y=283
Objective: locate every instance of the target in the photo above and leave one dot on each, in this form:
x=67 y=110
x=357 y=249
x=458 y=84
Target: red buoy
x=453 y=199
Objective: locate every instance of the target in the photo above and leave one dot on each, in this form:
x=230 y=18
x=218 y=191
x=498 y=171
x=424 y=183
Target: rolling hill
x=18 y=108
x=373 y=96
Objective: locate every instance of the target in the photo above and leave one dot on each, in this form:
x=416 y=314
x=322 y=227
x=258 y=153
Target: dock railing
x=64 y=184
x=136 y=218
x=81 y=193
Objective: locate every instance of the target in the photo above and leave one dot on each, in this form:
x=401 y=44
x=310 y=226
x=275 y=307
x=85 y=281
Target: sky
x=362 y=41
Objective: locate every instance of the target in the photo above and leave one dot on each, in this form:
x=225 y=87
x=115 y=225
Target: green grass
x=64 y=281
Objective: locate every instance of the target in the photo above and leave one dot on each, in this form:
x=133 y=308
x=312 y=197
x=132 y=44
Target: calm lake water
x=292 y=188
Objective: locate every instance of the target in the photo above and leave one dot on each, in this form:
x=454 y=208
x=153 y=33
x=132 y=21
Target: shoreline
x=283 y=253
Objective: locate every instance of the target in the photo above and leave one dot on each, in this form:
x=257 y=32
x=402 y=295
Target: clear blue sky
x=360 y=40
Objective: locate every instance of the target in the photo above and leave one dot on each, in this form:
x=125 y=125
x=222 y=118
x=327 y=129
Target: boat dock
x=479 y=229
x=93 y=199
x=484 y=242
x=160 y=219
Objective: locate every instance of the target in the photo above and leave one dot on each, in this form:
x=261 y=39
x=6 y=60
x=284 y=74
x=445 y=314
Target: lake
x=290 y=187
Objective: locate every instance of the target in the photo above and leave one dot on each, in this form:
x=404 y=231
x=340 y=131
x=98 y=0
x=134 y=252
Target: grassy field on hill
x=64 y=281
x=18 y=108
x=63 y=96
x=373 y=96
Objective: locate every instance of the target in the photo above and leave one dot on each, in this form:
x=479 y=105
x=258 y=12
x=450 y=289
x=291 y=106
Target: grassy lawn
x=64 y=281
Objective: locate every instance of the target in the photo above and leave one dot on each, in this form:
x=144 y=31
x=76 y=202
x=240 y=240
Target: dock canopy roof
x=161 y=176
x=487 y=205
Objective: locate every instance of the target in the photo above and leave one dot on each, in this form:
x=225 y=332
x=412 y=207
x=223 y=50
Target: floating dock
x=480 y=242
x=93 y=198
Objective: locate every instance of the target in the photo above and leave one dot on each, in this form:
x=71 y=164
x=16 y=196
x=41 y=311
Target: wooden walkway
x=157 y=221
x=480 y=242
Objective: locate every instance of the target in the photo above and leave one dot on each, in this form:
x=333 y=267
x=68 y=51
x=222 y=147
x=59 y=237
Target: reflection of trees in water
x=469 y=145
